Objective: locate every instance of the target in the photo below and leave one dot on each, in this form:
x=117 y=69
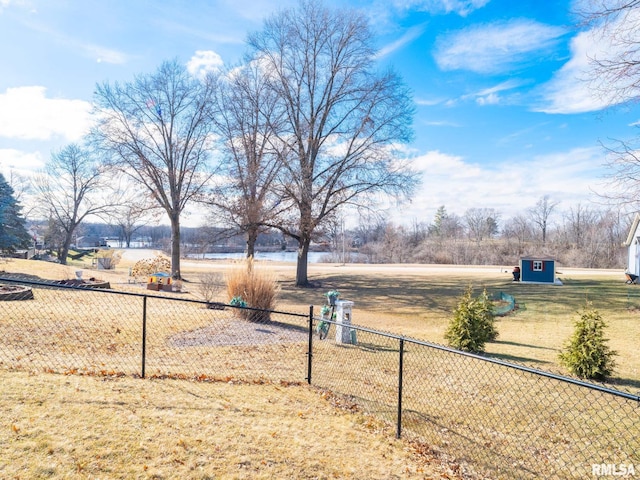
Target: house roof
x=632 y=231
x=530 y=257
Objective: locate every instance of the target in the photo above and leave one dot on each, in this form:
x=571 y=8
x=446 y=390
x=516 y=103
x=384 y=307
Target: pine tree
x=13 y=233
x=586 y=354
x=472 y=324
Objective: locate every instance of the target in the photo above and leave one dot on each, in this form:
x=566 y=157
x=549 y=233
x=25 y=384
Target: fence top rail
x=496 y=361
x=135 y=294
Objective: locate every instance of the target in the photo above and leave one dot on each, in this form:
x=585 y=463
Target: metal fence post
x=310 y=348
x=400 y=369
x=144 y=333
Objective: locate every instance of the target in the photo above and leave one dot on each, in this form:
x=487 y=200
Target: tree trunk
x=175 y=247
x=64 y=251
x=301 y=270
x=252 y=238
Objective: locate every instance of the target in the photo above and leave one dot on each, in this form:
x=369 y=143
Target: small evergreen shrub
x=472 y=324
x=257 y=288
x=586 y=354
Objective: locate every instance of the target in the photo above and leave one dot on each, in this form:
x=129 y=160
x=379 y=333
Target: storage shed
x=538 y=270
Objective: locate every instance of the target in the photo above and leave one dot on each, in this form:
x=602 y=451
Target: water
x=280 y=256
x=136 y=244
x=314 y=257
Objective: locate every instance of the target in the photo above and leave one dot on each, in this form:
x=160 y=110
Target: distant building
x=91 y=241
x=633 y=246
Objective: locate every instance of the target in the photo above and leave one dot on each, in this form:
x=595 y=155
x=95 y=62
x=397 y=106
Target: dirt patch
x=238 y=332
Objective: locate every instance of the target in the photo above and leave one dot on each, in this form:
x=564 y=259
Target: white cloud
x=23 y=163
x=490 y=99
x=441 y=123
x=486 y=96
x=409 y=36
x=495 y=47
x=570 y=89
x=423 y=102
x=460 y=7
x=26 y=113
x=489 y=96
x=106 y=55
x=204 y=61
x=510 y=186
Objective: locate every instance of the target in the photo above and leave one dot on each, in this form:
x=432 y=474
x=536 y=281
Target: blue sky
x=503 y=115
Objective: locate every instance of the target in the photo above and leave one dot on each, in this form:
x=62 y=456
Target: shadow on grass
x=516 y=344
x=517 y=359
x=624 y=384
x=378 y=292
x=21 y=276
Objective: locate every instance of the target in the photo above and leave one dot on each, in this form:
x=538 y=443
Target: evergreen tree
x=586 y=354
x=439 y=219
x=13 y=233
x=472 y=324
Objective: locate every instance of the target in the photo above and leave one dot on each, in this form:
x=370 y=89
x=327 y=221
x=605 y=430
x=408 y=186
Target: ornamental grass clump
x=472 y=324
x=149 y=266
x=258 y=289
x=586 y=354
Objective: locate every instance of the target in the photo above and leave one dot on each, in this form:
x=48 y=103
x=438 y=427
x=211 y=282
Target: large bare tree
x=72 y=188
x=157 y=130
x=246 y=115
x=615 y=76
x=343 y=118
x=615 y=67
x=541 y=213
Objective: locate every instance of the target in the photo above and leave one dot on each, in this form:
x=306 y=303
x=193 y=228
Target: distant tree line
x=580 y=236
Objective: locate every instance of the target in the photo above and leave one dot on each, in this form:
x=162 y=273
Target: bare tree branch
x=343 y=119
x=157 y=130
x=72 y=188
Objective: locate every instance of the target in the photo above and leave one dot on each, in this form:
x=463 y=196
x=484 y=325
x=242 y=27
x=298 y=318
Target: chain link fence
x=498 y=420
x=100 y=331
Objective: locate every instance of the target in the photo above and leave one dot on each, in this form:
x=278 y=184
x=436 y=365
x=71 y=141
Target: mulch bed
x=15 y=292
x=239 y=332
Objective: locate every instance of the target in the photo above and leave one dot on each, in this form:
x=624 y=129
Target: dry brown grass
x=77 y=427
x=415 y=301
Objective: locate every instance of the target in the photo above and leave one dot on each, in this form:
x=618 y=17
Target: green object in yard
x=507 y=304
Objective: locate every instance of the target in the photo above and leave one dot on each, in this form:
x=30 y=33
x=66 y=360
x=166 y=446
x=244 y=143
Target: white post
x=343 y=320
